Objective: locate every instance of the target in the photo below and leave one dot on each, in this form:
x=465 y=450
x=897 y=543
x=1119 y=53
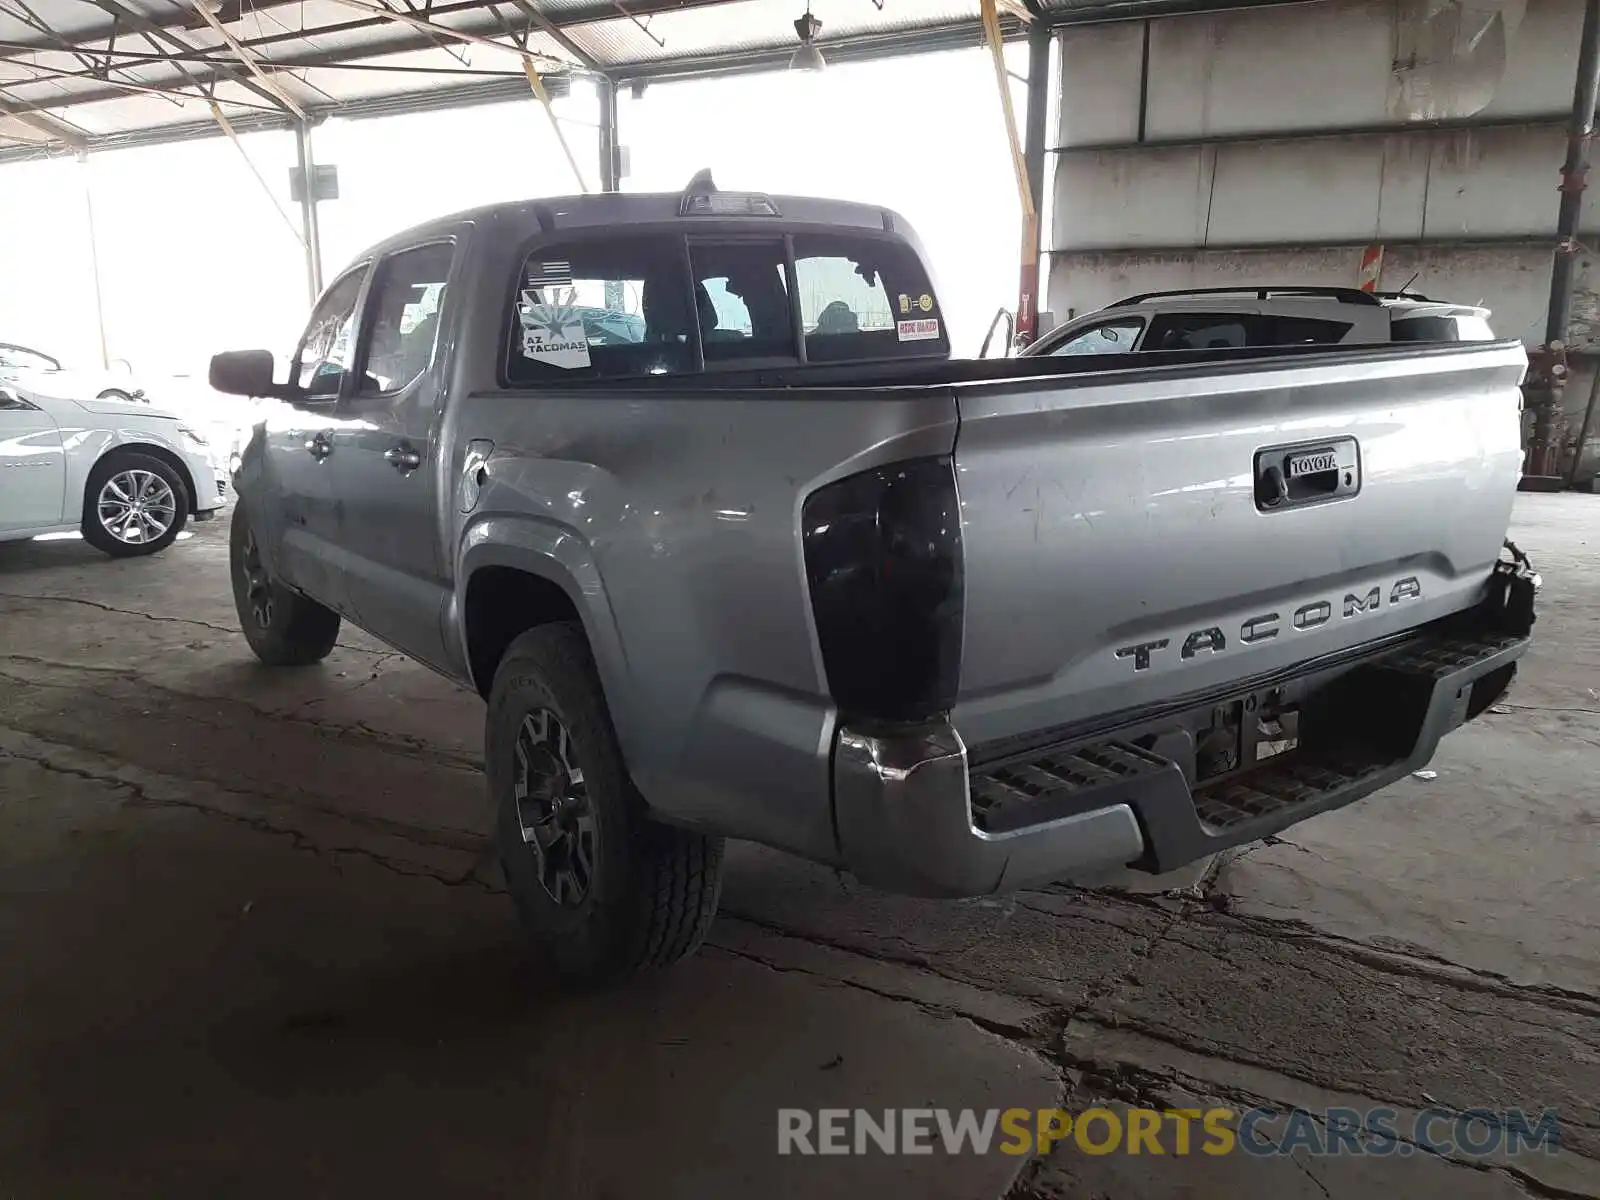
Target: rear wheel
x=604 y=892
x=284 y=628
x=133 y=504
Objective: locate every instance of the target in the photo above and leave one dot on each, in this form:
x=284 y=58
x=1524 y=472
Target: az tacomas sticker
x=552 y=329
x=922 y=329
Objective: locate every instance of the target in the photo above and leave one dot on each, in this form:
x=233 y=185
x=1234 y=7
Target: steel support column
x=310 y=226
x=94 y=259
x=1035 y=124
x=1547 y=376
x=610 y=150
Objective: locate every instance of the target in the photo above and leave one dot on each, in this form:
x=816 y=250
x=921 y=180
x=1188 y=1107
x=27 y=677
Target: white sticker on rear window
x=552 y=332
x=924 y=329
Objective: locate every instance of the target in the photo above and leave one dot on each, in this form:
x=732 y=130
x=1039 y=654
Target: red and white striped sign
x=1371 y=267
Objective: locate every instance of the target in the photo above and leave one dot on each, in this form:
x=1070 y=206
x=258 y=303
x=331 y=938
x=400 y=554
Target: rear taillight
x=883 y=560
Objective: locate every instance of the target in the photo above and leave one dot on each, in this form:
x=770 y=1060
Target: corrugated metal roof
x=745 y=25
x=78 y=72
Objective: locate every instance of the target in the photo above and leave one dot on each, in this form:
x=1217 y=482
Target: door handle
x=403 y=457
x=319 y=447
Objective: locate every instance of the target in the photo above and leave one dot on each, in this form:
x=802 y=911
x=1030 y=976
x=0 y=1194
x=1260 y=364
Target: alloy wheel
x=257 y=584
x=136 y=506
x=553 y=808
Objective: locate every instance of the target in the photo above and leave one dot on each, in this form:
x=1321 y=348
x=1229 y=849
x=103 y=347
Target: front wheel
x=284 y=628
x=134 y=504
x=604 y=892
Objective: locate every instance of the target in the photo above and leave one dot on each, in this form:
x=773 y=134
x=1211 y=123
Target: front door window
x=328 y=348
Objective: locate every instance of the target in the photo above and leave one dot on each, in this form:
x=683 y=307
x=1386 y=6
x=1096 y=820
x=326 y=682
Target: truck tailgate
x=1125 y=542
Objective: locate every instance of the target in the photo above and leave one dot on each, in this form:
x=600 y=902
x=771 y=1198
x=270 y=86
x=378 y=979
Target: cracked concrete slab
x=1495 y=863
x=258 y=948
x=1122 y=1067
x=1391 y=1031
x=1071 y=1174
x=207 y=1011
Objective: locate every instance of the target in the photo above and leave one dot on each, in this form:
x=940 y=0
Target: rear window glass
x=663 y=304
x=612 y=309
x=742 y=297
x=865 y=298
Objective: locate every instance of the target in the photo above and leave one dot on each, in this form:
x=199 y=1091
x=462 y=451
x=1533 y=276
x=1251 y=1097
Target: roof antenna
x=701 y=183
x=1409 y=282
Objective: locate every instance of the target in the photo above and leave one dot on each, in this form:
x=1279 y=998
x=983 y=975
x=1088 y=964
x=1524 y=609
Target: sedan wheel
x=136 y=506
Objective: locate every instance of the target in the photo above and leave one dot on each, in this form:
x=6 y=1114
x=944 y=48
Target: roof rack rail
x=1404 y=296
x=1344 y=294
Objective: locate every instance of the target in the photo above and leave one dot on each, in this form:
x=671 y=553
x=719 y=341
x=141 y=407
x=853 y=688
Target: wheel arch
x=514 y=574
x=150 y=450
x=500 y=603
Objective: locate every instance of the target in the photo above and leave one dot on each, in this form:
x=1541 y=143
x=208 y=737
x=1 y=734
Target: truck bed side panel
x=682 y=513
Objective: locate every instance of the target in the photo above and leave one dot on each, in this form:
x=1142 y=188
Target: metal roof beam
x=546 y=61
x=85 y=55
x=248 y=59
x=26 y=16
x=68 y=135
x=855 y=48
x=154 y=33
x=555 y=33
x=202 y=58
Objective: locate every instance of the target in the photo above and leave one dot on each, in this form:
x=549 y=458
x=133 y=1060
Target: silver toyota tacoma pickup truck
x=690 y=489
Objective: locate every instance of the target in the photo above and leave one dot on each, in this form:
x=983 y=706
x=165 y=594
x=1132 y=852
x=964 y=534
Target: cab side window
x=1200 y=331
x=327 y=350
x=402 y=323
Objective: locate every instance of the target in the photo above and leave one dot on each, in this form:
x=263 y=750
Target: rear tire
x=284 y=628
x=134 y=504
x=603 y=891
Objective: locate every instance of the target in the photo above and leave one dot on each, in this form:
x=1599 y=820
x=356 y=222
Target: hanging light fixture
x=807 y=57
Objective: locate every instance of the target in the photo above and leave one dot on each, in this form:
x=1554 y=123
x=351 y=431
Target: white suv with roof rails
x=1220 y=318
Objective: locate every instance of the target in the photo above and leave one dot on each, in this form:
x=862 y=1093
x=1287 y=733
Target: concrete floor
x=250 y=946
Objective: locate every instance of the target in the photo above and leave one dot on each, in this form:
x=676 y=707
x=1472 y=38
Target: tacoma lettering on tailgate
x=1212 y=639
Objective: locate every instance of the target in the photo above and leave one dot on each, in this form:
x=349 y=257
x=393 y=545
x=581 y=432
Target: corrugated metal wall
x=1275 y=143
x=1271 y=145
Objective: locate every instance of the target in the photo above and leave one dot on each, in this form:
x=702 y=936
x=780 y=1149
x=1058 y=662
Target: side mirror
x=243 y=373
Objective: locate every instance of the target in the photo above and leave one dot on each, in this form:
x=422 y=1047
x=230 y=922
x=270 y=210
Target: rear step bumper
x=914 y=816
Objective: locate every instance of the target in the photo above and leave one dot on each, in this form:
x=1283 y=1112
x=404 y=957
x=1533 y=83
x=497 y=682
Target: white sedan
x=126 y=474
x=34 y=368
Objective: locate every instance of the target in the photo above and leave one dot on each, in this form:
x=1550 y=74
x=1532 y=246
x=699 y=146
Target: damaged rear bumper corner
x=904 y=819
